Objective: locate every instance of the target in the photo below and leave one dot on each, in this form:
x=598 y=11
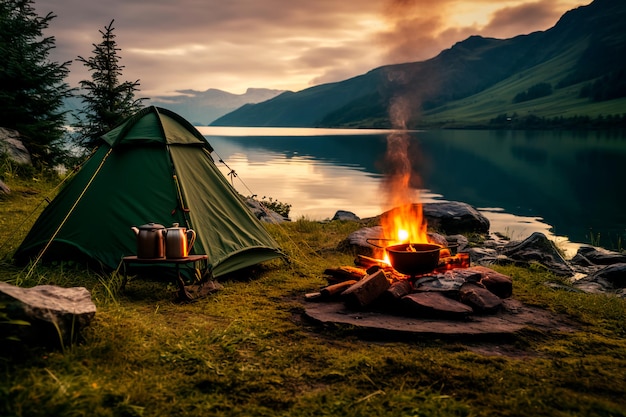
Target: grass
x=246 y=350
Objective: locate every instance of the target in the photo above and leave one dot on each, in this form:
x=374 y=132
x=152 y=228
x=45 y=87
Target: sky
x=175 y=45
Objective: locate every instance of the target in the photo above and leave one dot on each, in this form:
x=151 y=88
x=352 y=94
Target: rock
x=590 y=255
x=263 y=213
x=484 y=256
x=614 y=275
x=499 y=284
x=453 y=217
x=449 y=284
x=480 y=299
x=345 y=216
x=57 y=315
x=356 y=242
x=435 y=305
x=12 y=146
x=437 y=239
x=459 y=241
x=538 y=248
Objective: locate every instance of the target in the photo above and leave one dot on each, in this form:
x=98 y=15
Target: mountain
x=202 y=107
x=576 y=68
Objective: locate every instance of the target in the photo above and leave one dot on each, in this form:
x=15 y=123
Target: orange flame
x=405 y=224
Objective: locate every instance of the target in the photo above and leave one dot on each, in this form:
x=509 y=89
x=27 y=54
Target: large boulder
x=56 y=315
x=590 y=255
x=454 y=217
x=14 y=149
x=12 y=146
x=537 y=248
x=614 y=275
x=343 y=215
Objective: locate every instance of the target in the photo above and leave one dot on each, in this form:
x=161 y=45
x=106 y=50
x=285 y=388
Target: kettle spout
x=134 y=229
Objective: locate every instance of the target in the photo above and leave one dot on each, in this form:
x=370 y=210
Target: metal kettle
x=150 y=240
x=178 y=241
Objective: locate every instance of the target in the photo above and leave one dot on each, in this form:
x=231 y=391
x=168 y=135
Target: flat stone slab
x=514 y=317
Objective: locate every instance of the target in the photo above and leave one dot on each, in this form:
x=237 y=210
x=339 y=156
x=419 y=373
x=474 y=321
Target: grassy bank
x=246 y=351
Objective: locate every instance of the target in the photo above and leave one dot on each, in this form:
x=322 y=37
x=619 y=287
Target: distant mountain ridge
x=203 y=107
x=198 y=107
x=575 y=68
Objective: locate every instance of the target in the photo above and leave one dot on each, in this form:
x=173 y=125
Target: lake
x=568 y=185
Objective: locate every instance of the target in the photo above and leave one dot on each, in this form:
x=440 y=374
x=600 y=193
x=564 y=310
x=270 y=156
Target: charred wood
x=367 y=290
x=335 y=290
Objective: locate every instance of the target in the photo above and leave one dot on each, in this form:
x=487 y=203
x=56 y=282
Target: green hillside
x=499 y=98
x=574 y=70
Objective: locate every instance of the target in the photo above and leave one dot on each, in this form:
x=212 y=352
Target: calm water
x=568 y=185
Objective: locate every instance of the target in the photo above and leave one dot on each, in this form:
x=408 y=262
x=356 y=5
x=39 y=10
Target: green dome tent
x=154 y=167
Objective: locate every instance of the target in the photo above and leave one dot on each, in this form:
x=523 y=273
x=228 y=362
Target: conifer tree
x=106 y=100
x=32 y=87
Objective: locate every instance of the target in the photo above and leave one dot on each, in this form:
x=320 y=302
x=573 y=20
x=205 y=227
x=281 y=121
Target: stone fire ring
x=513 y=317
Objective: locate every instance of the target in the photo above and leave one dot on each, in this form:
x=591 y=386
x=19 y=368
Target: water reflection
x=563 y=184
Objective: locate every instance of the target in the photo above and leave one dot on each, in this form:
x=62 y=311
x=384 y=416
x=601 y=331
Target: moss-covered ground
x=245 y=350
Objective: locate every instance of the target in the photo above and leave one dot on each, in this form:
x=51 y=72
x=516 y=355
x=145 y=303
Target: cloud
x=522 y=19
x=236 y=44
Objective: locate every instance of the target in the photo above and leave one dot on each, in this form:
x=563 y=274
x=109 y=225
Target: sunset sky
x=280 y=44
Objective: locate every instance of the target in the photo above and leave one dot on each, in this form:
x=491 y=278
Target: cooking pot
x=150 y=241
x=178 y=241
x=412 y=258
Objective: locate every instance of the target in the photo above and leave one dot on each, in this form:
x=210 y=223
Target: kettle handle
x=191 y=236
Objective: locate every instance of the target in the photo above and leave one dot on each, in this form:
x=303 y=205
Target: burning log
x=366 y=290
x=344 y=273
x=336 y=289
x=367 y=262
x=395 y=292
x=460 y=260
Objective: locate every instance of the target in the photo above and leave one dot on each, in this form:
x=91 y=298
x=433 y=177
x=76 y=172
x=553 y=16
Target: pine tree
x=106 y=100
x=32 y=89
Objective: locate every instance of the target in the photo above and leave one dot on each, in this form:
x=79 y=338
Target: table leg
x=182 y=291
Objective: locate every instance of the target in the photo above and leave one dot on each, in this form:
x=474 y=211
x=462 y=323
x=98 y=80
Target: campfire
x=416 y=279
x=412 y=271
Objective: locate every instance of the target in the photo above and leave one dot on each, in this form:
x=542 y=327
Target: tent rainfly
x=154 y=167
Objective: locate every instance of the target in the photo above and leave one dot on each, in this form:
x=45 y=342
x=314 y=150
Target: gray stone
x=12 y=146
x=263 y=213
x=538 y=248
x=356 y=242
x=448 y=284
x=345 y=216
x=614 y=275
x=453 y=217
x=590 y=255
x=57 y=315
